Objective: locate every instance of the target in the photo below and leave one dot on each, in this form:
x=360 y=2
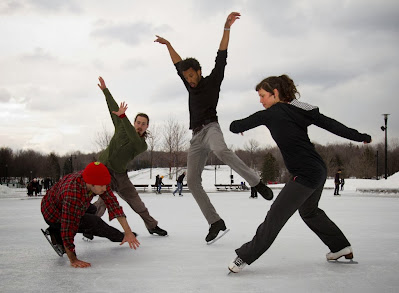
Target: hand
x=231 y=19
x=161 y=40
x=122 y=109
x=76 y=263
x=102 y=83
x=131 y=239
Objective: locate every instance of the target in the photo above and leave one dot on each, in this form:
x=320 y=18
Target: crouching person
x=66 y=209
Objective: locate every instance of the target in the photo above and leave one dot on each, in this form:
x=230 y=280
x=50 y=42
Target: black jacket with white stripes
x=288 y=123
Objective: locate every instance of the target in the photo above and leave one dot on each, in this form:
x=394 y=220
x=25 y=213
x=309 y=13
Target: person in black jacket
x=179 y=182
x=207 y=134
x=337 y=182
x=288 y=120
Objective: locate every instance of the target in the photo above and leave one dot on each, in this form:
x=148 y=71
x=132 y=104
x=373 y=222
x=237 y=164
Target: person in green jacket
x=127 y=143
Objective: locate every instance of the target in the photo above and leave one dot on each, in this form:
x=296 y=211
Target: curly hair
x=188 y=63
x=283 y=83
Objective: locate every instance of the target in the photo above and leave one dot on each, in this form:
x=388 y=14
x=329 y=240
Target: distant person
x=159 y=184
x=179 y=183
x=342 y=183
x=337 y=182
x=254 y=193
x=244 y=186
x=207 y=134
x=65 y=206
x=288 y=120
x=127 y=142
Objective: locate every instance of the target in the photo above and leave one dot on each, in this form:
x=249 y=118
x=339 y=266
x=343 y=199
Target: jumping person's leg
x=287 y=202
x=196 y=160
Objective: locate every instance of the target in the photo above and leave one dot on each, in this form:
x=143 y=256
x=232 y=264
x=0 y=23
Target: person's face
x=141 y=125
x=97 y=189
x=192 y=77
x=267 y=99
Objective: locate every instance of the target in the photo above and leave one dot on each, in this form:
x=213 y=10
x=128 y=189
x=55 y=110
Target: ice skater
x=65 y=206
x=207 y=135
x=288 y=120
x=127 y=142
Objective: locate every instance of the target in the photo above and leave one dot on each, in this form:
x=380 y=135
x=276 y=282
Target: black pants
x=90 y=224
x=336 y=191
x=294 y=196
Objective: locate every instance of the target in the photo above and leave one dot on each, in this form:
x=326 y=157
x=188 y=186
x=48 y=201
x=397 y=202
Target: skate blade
x=345 y=262
x=217 y=238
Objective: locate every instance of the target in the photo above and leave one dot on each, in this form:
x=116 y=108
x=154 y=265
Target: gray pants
x=121 y=184
x=210 y=138
x=293 y=196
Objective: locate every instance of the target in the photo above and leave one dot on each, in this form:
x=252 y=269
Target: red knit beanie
x=96 y=173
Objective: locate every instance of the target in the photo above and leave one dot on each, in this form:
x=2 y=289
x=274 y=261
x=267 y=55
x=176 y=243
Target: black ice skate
x=214 y=231
x=264 y=191
x=58 y=248
x=158 y=231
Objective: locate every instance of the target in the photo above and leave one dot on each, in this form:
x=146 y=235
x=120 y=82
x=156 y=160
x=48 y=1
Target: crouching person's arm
x=75 y=262
x=129 y=236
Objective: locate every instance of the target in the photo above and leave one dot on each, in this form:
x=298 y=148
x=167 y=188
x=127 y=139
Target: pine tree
x=270 y=169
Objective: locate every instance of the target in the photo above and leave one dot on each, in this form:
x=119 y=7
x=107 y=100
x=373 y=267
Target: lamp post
x=377 y=165
x=386 y=144
x=7 y=174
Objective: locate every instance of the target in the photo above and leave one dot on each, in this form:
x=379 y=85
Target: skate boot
x=215 y=229
x=264 y=191
x=88 y=236
x=347 y=252
x=237 y=265
x=158 y=231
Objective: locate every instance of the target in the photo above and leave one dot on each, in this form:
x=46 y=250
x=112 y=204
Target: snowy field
x=182 y=262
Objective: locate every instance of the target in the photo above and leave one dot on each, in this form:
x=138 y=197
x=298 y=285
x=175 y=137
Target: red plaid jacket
x=67 y=201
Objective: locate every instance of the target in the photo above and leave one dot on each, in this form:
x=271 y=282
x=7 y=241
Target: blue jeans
x=179 y=188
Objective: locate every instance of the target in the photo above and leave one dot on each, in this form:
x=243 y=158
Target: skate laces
x=239 y=262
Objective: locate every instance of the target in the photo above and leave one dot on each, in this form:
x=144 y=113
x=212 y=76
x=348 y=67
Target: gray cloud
x=5 y=95
x=130 y=34
x=11 y=6
x=38 y=55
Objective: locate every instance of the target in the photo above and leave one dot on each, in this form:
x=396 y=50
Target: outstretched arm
x=173 y=54
x=224 y=43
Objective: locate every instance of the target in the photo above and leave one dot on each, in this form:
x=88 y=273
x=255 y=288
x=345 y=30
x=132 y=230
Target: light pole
x=7 y=174
x=386 y=143
x=377 y=165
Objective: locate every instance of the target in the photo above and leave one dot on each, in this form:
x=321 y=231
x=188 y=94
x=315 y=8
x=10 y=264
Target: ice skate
x=214 y=230
x=237 y=265
x=264 y=191
x=158 y=231
x=347 y=252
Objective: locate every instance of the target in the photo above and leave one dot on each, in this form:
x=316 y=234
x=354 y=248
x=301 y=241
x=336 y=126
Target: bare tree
x=103 y=138
x=175 y=141
x=252 y=147
x=152 y=144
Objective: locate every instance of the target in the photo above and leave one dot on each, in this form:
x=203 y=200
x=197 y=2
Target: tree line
x=167 y=148
x=355 y=160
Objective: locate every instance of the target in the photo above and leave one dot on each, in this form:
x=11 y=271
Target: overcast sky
x=341 y=54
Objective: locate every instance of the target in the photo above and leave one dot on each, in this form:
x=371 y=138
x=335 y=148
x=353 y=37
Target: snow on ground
x=182 y=262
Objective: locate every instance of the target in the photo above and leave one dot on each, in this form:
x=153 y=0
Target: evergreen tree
x=270 y=169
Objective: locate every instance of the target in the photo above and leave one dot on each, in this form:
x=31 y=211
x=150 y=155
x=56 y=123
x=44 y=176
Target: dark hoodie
x=288 y=123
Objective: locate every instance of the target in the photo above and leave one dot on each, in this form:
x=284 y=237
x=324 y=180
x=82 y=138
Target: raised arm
x=173 y=54
x=224 y=43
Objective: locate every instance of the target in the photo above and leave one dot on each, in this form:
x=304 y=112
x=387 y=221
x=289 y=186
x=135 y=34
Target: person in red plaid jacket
x=66 y=209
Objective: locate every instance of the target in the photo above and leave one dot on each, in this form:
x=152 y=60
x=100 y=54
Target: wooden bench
x=228 y=187
x=168 y=186
x=141 y=186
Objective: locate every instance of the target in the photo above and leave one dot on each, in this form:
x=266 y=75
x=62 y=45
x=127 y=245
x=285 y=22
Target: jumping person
x=288 y=120
x=65 y=206
x=127 y=142
x=207 y=135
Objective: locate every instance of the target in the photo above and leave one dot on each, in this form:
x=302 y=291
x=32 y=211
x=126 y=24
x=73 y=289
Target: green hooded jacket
x=126 y=143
